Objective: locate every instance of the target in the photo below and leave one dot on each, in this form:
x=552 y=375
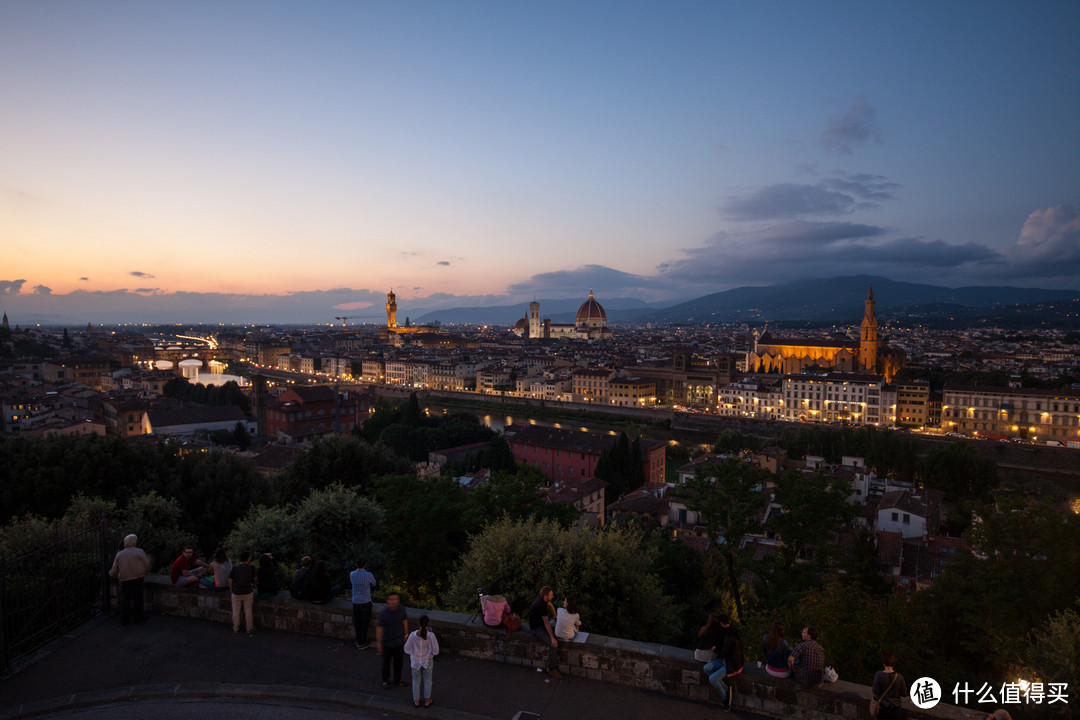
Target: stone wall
x=648 y=666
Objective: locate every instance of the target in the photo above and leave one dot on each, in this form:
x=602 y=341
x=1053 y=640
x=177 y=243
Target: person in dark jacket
x=728 y=663
x=267 y=577
x=242 y=586
x=299 y=578
x=889 y=689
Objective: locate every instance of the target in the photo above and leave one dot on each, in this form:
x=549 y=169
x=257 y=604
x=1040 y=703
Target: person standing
x=422 y=647
x=242 y=586
x=130 y=567
x=541 y=629
x=362 y=583
x=889 y=689
x=807 y=660
x=390 y=631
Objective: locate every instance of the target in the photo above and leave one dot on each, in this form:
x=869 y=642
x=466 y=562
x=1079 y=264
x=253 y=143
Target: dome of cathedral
x=521 y=324
x=591 y=312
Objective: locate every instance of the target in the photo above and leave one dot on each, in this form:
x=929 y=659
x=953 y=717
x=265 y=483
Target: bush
x=607 y=570
x=335 y=524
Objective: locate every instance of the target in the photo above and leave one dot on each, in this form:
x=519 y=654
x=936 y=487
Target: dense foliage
x=607 y=570
x=1005 y=607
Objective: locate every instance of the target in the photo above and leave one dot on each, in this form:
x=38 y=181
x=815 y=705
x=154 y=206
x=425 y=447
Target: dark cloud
x=851 y=129
x=11 y=287
x=147 y=290
x=798 y=249
x=84 y=279
x=140 y=274
x=838 y=195
x=916 y=252
x=863 y=186
x=445 y=263
x=788 y=200
x=604 y=280
x=42 y=290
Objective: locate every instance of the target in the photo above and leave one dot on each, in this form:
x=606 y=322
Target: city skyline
x=194 y=157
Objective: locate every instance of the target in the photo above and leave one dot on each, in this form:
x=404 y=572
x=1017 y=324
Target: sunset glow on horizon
x=484 y=153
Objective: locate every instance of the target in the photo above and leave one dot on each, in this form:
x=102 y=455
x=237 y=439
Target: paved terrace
x=175 y=667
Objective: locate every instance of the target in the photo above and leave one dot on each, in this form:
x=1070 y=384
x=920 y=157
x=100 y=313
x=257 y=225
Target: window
x=895 y=517
x=907 y=519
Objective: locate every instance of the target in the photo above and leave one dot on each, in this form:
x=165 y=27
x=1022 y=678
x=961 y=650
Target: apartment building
x=1029 y=413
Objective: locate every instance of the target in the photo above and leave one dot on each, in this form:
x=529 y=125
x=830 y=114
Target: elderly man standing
x=130 y=567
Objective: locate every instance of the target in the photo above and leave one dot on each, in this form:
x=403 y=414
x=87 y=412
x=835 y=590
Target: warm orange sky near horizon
x=165 y=155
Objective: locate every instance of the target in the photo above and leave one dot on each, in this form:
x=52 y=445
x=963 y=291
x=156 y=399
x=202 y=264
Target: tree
x=856 y=627
x=1024 y=567
x=728 y=497
x=812 y=509
x=1054 y=656
x=156 y=520
x=518 y=495
x=341 y=526
x=427 y=526
x=67 y=340
x=345 y=460
x=620 y=466
x=960 y=470
x=607 y=570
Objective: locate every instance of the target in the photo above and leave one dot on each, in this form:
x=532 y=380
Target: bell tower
x=868 y=337
x=534 y=319
x=391 y=310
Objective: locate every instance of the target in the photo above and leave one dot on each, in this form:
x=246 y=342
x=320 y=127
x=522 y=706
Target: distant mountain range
x=560 y=311
x=838 y=299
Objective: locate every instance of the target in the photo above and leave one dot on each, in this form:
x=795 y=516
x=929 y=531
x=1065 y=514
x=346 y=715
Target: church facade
x=772 y=354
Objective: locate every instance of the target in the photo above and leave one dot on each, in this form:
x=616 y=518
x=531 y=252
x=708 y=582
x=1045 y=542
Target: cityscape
x=487 y=301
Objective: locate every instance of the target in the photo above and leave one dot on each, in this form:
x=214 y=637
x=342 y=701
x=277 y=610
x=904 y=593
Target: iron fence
x=52 y=589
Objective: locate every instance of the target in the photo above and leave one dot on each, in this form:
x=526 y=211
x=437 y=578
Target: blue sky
x=310 y=156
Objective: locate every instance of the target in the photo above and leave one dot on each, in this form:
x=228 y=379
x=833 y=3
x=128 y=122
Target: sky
x=215 y=160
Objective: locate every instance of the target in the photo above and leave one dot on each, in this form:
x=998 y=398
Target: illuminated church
x=773 y=354
x=590 y=323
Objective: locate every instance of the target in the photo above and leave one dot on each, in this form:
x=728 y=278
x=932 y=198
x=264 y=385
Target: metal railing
x=52 y=589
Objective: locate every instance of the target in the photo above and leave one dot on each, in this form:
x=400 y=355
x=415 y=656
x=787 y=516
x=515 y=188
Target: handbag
x=830 y=674
x=705 y=655
x=875 y=704
x=511 y=622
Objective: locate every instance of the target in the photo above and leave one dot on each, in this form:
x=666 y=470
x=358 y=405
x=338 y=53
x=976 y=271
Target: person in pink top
x=494 y=606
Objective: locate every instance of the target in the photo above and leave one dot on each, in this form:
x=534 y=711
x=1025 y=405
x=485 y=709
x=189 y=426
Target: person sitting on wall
x=267 y=577
x=187 y=569
x=220 y=568
x=567 y=620
x=299 y=578
x=319 y=589
x=541 y=629
x=776 y=651
x=728 y=663
x=493 y=606
x=807 y=660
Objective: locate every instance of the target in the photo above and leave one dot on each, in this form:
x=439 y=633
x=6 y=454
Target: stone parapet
x=648 y=666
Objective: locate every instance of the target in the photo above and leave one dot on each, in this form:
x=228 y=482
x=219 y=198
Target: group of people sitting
x=547 y=624
x=310 y=582
x=720 y=648
x=565 y=621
